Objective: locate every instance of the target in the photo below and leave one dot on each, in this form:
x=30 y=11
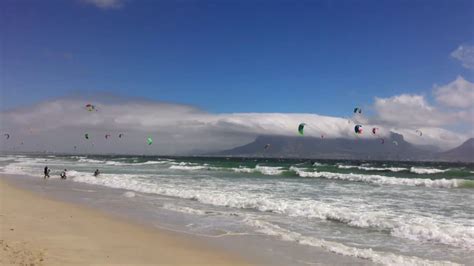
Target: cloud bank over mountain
x=59 y=125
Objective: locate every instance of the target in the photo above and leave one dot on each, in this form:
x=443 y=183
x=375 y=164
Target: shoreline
x=43 y=231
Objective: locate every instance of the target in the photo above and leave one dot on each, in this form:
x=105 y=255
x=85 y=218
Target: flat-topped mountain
x=393 y=147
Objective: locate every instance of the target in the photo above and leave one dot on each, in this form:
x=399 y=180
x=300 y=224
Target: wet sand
x=41 y=231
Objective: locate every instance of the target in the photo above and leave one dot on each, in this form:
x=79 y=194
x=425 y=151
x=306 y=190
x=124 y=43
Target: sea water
x=392 y=213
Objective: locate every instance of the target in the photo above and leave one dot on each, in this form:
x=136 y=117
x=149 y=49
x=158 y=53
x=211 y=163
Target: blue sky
x=233 y=56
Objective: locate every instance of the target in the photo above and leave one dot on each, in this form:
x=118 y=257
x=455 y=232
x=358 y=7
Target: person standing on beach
x=46 y=172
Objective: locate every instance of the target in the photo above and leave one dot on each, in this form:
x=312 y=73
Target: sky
x=407 y=64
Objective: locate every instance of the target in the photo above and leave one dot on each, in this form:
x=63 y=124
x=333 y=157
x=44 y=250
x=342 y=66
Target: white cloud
x=61 y=124
x=433 y=136
x=409 y=111
x=465 y=54
x=179 y=129
x=454 y=106
x=458 y=94
x=106 y=4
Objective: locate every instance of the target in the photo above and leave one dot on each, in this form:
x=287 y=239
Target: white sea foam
x=153 y=162
x=78 y=157
x=136 y=164
x=244 y=170
x=129 y=194
x=420 y=170
x=383 y=180
x=425 y=229
x=183 y=209
x=115 y=163
x=367 y=168
x=82 y=160
x=384 y=258
x=73 y=173
x=269 y=170
x=23 y=168
x=7 y=158
x=266 y=170
x=406 y=227
x=16 y=170
x=188 y=167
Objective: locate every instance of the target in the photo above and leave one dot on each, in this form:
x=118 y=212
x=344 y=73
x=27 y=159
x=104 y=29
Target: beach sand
x=35 y=230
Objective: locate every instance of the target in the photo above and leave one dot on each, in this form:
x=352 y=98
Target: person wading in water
x=46 y=172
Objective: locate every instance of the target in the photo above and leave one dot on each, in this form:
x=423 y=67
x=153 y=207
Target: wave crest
x=385 y=180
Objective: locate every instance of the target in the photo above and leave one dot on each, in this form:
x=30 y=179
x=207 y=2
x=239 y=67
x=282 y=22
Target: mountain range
x=393 y=147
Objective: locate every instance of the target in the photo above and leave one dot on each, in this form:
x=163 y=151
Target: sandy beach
x=39 y=231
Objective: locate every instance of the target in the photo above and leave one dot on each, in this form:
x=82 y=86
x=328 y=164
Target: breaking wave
x=387 y=180
x=419 y=170
x=133 y=164
x=366 y=168
x=84 y=160
x=266 y=170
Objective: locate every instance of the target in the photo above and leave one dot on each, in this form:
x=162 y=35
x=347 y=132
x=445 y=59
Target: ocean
x=390 y=213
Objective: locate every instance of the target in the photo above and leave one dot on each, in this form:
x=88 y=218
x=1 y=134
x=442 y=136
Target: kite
x=149 y=141
x=358 y=129
x=357 y=110
x=90 y=107
x=7 y=135
x=301 y=128
x=266 y=146
x=120 y=135
x=419 y=132
x=86 y=135
x=374 y=130
x=107 y=136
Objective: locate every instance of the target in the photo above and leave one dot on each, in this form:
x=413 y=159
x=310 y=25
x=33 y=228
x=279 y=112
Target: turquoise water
x=384 y=212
